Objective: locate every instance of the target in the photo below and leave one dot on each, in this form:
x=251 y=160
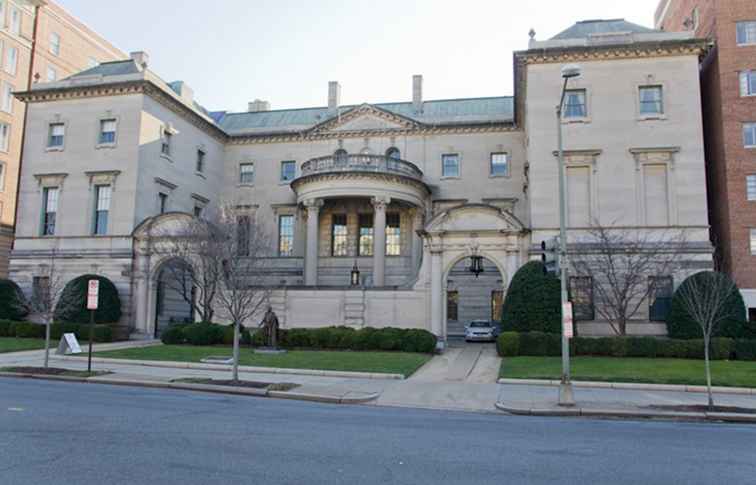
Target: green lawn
x=614 y=369
x=387 y=362
x=13 y=344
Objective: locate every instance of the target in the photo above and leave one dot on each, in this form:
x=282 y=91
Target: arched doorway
x=174 y=294
x=470 y=297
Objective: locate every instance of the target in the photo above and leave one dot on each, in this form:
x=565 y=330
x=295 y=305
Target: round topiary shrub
x=533 y=301
x=680 y=324
x=13 y=303
x=72 y=304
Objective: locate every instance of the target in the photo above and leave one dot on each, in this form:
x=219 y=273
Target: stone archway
x=472 y=297
x=458 y=233
x=173 y=294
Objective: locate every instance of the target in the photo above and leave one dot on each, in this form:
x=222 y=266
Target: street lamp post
x=566 y=397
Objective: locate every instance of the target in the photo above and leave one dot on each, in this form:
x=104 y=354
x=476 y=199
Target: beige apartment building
x=406 y=191
x=39 y=42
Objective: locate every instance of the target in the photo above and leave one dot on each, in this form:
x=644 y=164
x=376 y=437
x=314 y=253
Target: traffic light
x=550 y=256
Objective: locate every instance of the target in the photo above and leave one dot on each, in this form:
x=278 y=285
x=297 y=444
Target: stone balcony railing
x=361 y=163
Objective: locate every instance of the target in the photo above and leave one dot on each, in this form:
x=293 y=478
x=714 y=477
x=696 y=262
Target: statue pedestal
x=268 y=350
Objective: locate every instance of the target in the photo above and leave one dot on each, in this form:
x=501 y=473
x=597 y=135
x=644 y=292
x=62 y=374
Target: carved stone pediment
x=474 y=218
x=364 y=118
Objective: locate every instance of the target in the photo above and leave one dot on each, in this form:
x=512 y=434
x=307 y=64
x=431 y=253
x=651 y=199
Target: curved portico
x=383 y=180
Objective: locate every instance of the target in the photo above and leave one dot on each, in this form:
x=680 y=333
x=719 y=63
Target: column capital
x=380 y=202
x=313 y=204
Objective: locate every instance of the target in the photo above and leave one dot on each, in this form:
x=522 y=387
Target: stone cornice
x=613 y=52
x=347 y=176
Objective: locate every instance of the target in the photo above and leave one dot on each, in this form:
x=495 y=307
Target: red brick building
x=728 y=89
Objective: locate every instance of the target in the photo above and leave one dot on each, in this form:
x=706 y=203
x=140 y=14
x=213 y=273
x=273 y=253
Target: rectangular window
x=753 y=242
x=11 y=61
x=49 y=210
x=581 y=295
x=749 y=135
x=574 y=104
x=242 y=235
x=56 y=136
x=247 y=173
x=751 y=187
x=107 y=132
x=288 y=170
x=499 y=164
x=165 y=147
x=54 y=44
x=497 y=304
x=393 y=235
x=365 y=241
x=2 y=178
x=286 y=235
x=748 y=83
x=450 y=165
x=52 y=74
x=651 y=102
x=200 y=167
x=197 y=211
x=452 y=305
x=746 y=32
x=339 y=235
x=4 y=137
x=102 y=208
x=162 y=202
x=659 y=297
x=7 y=102
x=15 y=20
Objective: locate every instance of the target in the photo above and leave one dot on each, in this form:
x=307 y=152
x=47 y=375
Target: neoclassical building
x=405 y=192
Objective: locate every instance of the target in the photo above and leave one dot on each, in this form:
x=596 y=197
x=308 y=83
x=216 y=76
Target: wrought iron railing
x=360 y=163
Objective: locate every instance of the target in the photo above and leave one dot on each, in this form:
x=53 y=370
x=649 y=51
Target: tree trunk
x=236 y=352
x=708 y=373
x=47 y=342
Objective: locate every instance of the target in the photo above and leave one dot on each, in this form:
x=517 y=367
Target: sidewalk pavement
x=426 y=389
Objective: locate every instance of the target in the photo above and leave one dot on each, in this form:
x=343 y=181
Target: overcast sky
x=286 y=51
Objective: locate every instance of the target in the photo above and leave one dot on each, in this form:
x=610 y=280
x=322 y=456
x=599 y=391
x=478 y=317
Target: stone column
x=379 y=240
x=417 y=242
x=311 y=246
x=436 y=289
x=142 y=294
x=511 y=266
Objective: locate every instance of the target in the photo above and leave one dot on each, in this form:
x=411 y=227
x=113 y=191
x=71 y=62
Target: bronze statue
x=269 y=325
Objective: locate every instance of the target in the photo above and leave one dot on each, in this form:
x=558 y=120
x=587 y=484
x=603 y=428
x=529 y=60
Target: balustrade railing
x=360 y=163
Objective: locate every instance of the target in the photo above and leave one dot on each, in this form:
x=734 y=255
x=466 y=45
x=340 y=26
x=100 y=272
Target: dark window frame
x=365 y=234
x=581 y=288
x=285 y=235
x=342 y=237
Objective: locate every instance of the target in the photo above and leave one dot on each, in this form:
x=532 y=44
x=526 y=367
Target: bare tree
x=194 y=273
x=48 y=285
x=620 y=262
x=705 y=296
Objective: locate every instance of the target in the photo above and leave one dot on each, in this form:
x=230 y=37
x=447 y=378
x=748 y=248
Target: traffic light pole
x=566 y=397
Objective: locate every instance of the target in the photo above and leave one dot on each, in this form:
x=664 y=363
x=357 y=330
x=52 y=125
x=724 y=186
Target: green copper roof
x=115 y=68
x=586 y=28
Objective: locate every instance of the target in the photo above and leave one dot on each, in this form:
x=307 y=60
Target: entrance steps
x=354 y=308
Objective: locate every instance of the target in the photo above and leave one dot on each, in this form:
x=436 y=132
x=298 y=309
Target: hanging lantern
x=355 y=275
x=476 y=265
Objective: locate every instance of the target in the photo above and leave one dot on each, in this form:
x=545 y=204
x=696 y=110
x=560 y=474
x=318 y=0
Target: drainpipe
x=30 y=74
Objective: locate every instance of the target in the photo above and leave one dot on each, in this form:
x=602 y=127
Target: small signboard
x=93 y=291
x=567 y=319
x=68 y=345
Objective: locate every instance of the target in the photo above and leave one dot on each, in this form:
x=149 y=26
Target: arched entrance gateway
x=451 y=238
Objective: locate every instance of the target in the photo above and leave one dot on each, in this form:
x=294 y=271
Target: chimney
x=141 y=58
x=258 y=105
x=334 y=96
x=417 y=93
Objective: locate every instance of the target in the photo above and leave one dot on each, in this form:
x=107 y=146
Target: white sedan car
x=479 y=330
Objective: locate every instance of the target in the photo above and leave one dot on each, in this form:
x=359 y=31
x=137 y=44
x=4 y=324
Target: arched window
x=340 y=155
x=393 y=152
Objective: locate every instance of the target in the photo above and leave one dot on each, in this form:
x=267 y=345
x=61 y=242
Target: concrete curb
x=242 y=368
x=628 y=414
x=631 y=386
x=297 y=396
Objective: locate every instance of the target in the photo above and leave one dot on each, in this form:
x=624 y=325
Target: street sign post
x=567 y=328
x=93 y=294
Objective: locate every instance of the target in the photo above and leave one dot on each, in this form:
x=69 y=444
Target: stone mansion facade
x=404 y=191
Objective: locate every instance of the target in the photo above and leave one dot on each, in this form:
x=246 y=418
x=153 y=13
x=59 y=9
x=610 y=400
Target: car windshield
x=479 y=324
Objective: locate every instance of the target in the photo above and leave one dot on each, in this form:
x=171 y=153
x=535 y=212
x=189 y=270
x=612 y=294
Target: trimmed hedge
x=203 y=333
x=102 y=332
x=680 y=325
x=347 y=338
x=533 y=301
x=13 y=303
x=72 y=305
x=511 y=344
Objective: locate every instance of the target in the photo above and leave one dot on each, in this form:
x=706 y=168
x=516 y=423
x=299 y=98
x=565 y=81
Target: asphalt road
x=61 y=433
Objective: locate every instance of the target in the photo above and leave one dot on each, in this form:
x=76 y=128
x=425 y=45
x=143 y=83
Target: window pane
x=574 y=104
x=749 y=134
x=753 y=241
x=450 y=165
x=288 y=170
x=242 y=234
x=393 y=152
x=751 y=187
x=286 y=235
x=4 y=136
x=393 y=235
x=746 y=32
x=499 y=164
x=651 y=100
x=246 y=173
x=581 y=295
x=452 y=305
x=339 y=235
x=365 y=242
